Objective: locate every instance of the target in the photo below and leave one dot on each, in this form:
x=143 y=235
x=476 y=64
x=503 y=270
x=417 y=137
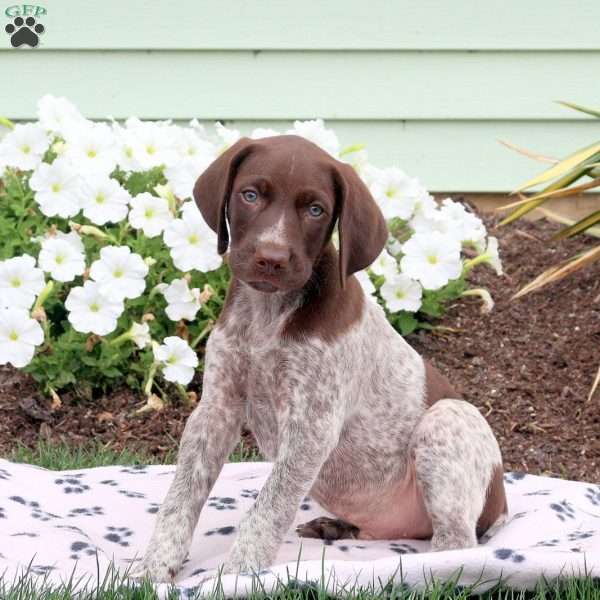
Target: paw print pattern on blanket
x=514 y=477
x=563 y=510
x=593 y=495
x=71 y=484
x=79 y=549
x=509 y=554
x=113 y=519
x=249 y=493
x=136 y=470
x=36 y=511
x=92 y=511
x=131 y=494
x=225 y=503
x=118 y=535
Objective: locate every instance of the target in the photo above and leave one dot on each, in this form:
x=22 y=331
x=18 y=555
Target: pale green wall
x=429 y=85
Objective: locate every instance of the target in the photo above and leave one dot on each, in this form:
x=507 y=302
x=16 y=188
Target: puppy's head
x=276 y=201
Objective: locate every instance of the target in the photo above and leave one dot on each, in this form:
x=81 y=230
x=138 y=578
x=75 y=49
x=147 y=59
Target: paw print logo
x=222 y=503
x=72 y=484
x=24 y=32
x=118 y=535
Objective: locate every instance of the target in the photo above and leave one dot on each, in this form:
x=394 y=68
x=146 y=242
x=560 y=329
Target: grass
x=62 y=457
x=115 y=586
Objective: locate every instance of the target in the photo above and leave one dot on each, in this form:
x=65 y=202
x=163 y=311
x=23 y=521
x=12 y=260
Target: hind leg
x=457 y=462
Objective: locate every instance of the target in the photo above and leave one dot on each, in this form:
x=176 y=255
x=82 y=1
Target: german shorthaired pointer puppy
x=347 y=411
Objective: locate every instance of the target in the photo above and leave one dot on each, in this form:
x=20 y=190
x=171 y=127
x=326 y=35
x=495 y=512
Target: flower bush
x=109 y=275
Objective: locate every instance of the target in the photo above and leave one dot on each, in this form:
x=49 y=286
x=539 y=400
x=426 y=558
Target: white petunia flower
x=193 y=244
x=183 y=303
x=24 y=146
x=188 y=144
x=58 y=115
x=359 y=161
x=183 y=175
x=395 y=192
x=57 y=189
x=400 y=292
x=228 y=136
x=491 y=256
x=177 y=359
x=19 y=335
x=432 y=259
x=385 y=264
x=129 y=149
x=20 y=282
x=90 y=311
x=316 y=132
x=103 y=200
x=366 y=284
x=61 y=258
x=154 y=143
x=119 y=273
x=140 y=334
x=149 y=213
x=462 y=224
x=92 y=148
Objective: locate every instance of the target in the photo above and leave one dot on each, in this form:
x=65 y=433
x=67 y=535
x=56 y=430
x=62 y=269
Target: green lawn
x=62 y=457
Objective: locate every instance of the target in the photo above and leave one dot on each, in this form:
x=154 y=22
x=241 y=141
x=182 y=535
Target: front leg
x=310 y=434
x=210 y=434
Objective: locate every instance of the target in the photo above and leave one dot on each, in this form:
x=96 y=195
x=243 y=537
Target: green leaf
x=583 y=109
x=578 y=227
x=568 y=164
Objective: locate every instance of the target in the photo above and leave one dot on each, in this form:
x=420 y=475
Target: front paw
x=246 y=559
x=160 y=568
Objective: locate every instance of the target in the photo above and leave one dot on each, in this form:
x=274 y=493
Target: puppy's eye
x=250 y=196
x=314 y=210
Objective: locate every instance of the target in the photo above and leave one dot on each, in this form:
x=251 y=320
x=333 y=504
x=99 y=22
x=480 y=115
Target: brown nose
x=271 y=258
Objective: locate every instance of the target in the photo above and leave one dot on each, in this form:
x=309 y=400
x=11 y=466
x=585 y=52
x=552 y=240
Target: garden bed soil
x=528 y=366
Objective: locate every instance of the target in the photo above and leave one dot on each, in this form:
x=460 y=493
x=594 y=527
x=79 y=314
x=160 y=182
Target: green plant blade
x=561 y=193
x=583 y=109
x=538 y=200
x=562 y=167
x=578 y=227
x=557 y=272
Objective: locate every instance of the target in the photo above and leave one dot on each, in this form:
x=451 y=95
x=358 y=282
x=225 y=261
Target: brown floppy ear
x=213 y=188
x=362 y=229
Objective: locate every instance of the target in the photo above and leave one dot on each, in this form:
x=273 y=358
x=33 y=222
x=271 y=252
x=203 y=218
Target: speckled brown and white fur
x=354 y=418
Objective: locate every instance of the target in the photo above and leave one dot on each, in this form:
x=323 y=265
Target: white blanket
x=55 y=522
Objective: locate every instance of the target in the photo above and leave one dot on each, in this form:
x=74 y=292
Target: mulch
x=528 y=366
